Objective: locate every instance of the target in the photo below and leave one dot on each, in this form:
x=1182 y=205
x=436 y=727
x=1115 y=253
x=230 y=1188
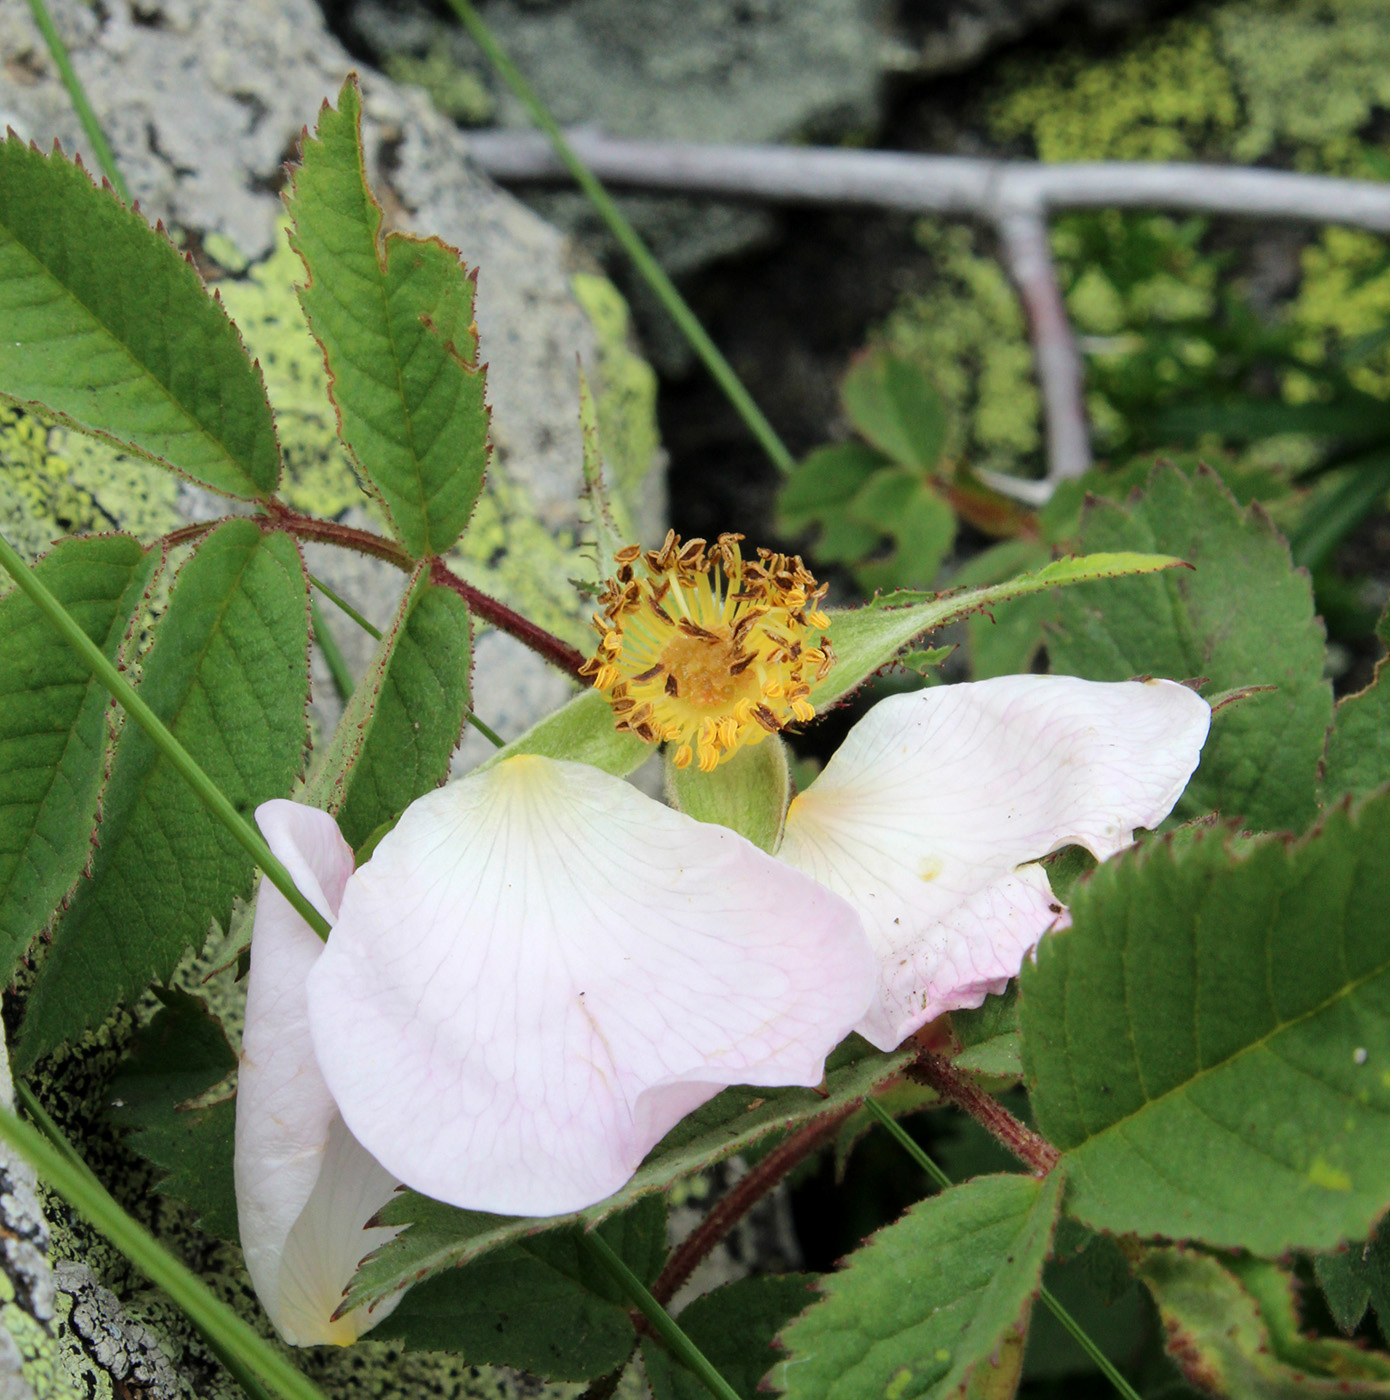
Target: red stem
x=1034 y=1151
x=307 y=527
x=741 y=1199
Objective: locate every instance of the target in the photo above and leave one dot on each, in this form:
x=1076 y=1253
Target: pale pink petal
x=540 y=971
x=305 y=1188
x=927 y=815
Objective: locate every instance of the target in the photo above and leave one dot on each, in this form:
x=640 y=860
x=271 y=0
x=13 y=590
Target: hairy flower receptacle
x=708 y=650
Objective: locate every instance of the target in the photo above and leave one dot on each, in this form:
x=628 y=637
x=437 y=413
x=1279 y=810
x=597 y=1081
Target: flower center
x=706 y=649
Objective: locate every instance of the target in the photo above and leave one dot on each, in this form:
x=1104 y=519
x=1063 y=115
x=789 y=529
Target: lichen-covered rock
x=202 y=100
x=1296 y=83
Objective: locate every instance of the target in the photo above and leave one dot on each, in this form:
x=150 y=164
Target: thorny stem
x=745 y=1194
x=1033 y=1150
x=307 y=527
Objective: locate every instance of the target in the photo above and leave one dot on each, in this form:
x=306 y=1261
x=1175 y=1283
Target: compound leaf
x=395 y=320
x=929 y=1297
x=404 y=718
x=1241 y=616
x=104 y=324
x=52 y=728
x=1208 y=1043
x=228 y=674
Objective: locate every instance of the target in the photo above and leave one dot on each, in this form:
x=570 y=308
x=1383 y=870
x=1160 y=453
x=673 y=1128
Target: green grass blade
x=227 y=1333
x=58 y=50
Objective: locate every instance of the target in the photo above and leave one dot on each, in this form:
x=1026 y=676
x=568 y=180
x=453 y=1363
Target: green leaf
x=607 y=521
x=734 y=1327
x=228 y=674
x=104 y=324
x=922 y=527
x=1277 y=1292
x=1222 y=1341
x=542 y=1305
x=928 y=1297
x=52 y=728
x=395 y=319
x=180 y=1056
x=1241 y=616
x=991 y=1043
x=582 y=731
x=748 y=792
x=868 y=638
x=440 y=1236
x=1358 y=746
x=1358 y=1277
x=396 y=736
x=892 y=403
x=817 y=493
x=1208 y=1044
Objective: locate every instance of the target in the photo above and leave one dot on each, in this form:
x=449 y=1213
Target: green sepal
x=1206 y=1044
x=1222 y=1337
x=868 y=638
x=748 y=792
x=179 y=1057
x=394 y=741
x=228 y=674
x=106 y=325
x=53 y=728
x=580 y=731
x=974 y=1255
x=441 y=1237
x=734 y=1327
x=395 y=319
x=542 y=1305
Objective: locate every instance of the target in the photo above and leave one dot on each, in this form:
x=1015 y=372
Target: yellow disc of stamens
x=705 y=649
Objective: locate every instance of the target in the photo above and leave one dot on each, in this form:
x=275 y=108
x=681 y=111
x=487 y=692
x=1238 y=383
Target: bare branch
x=958 y=185
x=1015 y=196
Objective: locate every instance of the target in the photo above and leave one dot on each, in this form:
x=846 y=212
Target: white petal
x=305 y=1188
x=540 y=971
x=924 y=816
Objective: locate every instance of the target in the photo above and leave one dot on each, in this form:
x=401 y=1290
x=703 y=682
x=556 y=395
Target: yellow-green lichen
x=1168 y=97
x=56 y=481
x=1345 y=296
x=319 y=477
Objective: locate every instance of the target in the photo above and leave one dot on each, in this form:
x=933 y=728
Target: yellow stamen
x=700 y=647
